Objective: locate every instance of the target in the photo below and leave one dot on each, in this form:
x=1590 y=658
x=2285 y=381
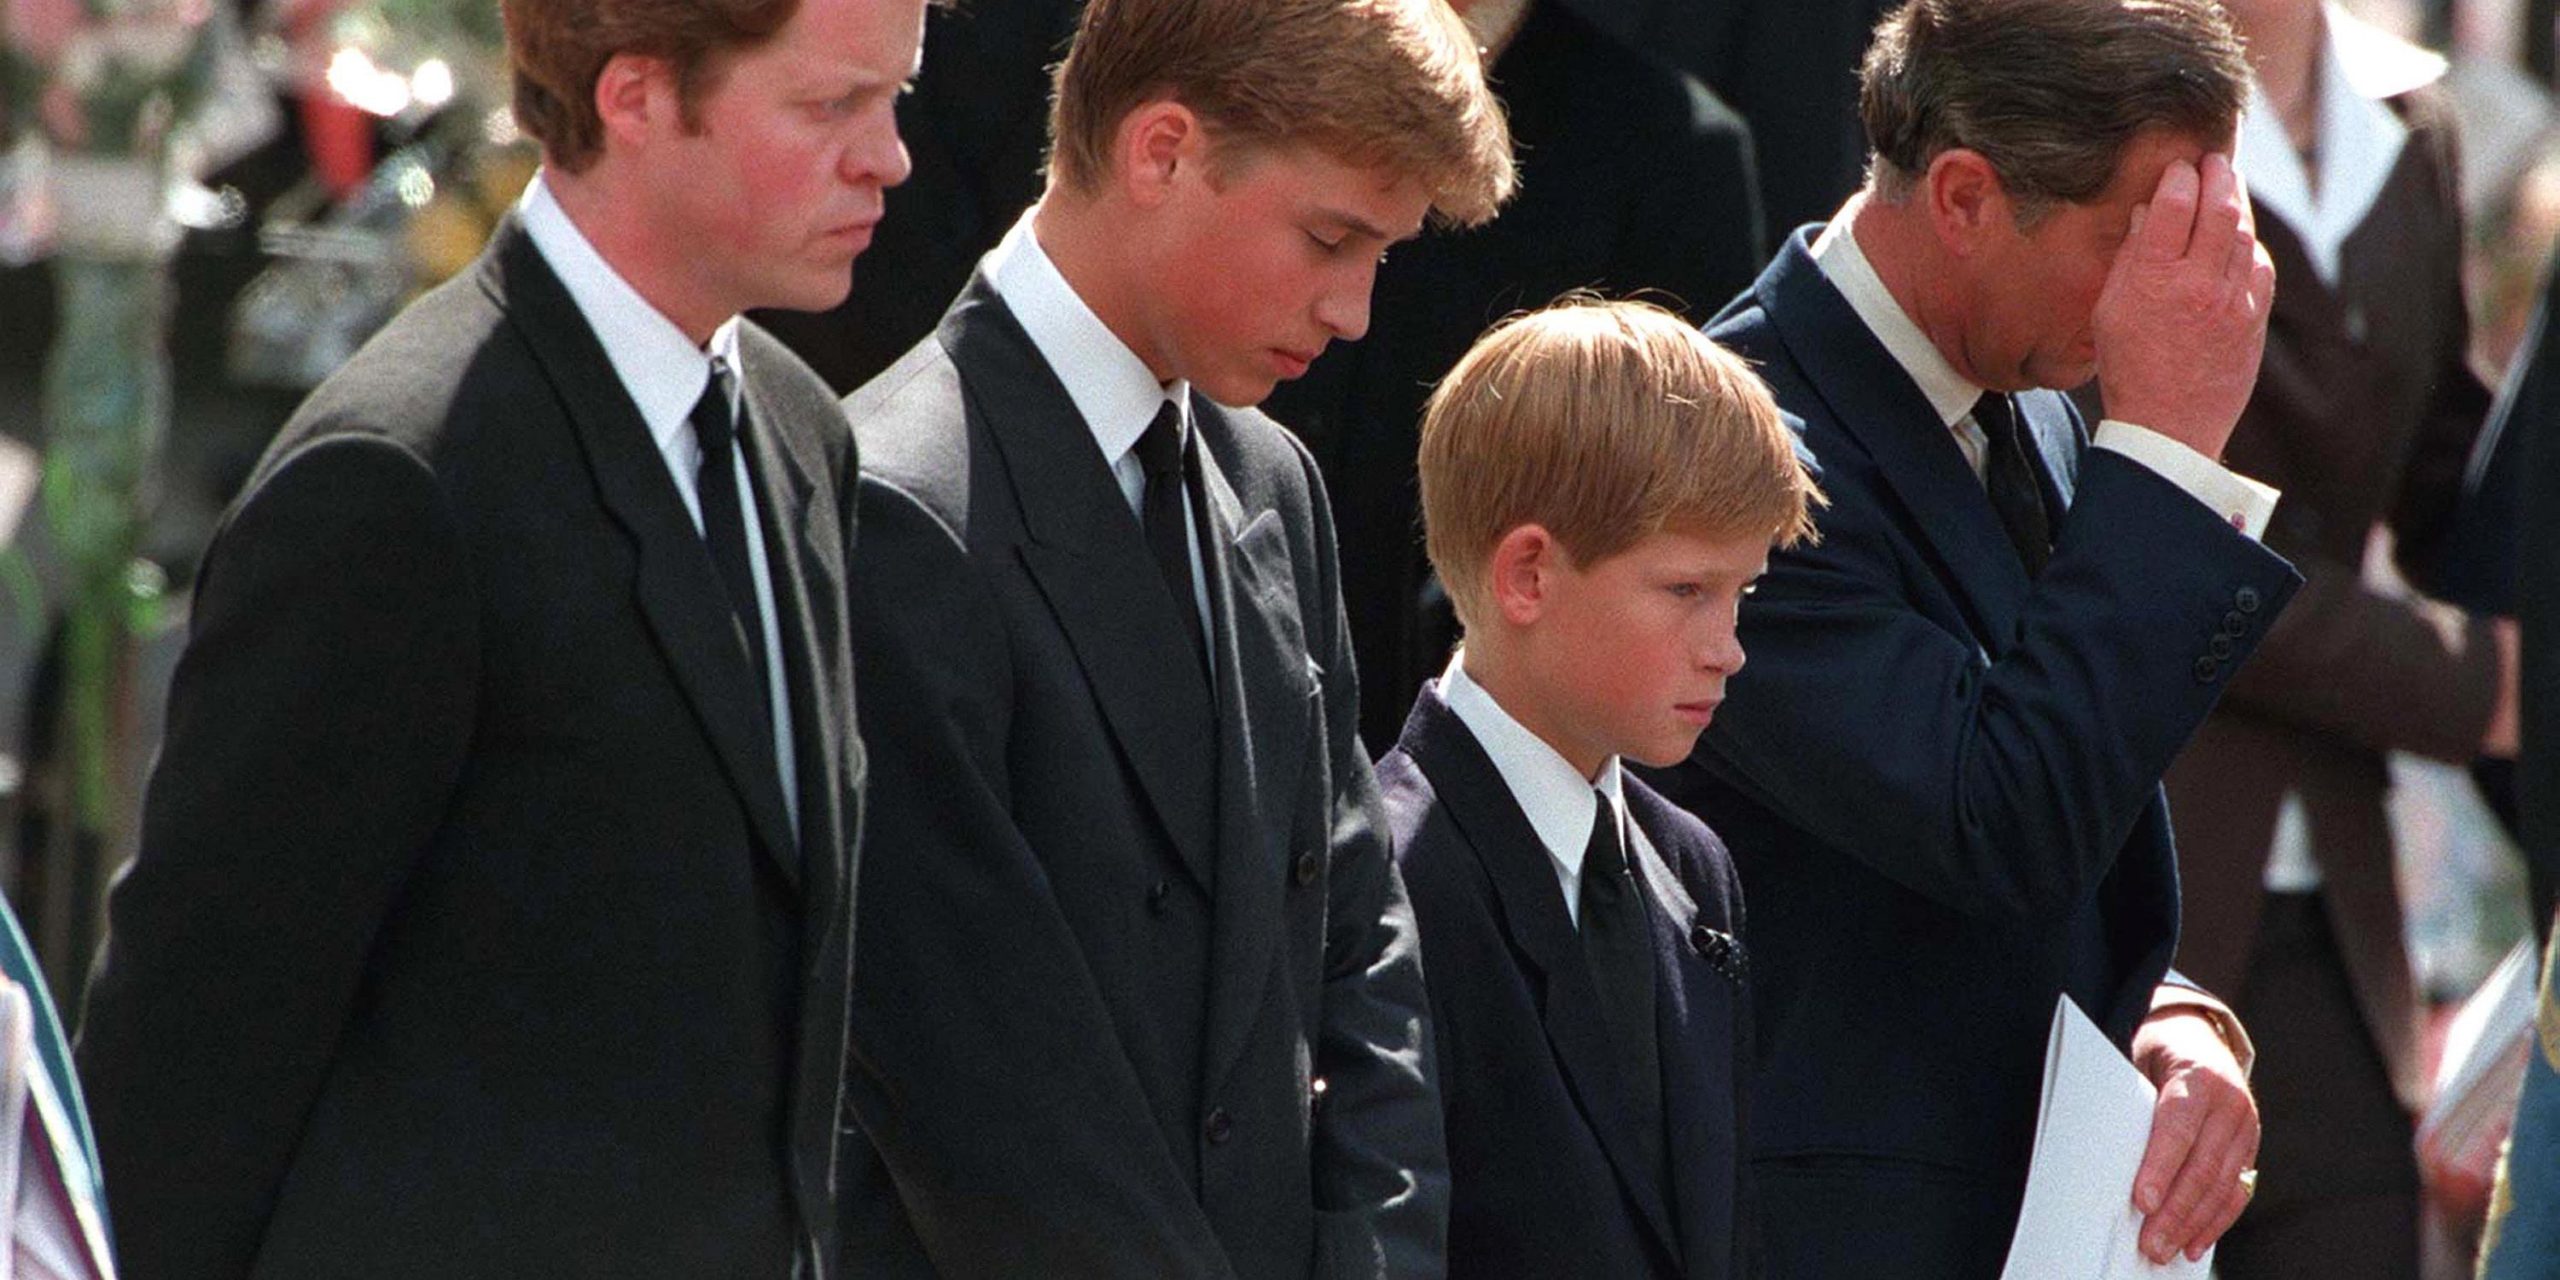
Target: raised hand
x=2182 y=320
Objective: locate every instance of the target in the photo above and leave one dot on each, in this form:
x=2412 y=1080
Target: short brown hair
x=1603 y=422
x=2049 y=91
x=557 y=48
x=1397 y=84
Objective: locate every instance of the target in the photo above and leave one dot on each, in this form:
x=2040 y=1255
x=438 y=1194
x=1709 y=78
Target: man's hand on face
x=2204 y=1132
x=2182 y=320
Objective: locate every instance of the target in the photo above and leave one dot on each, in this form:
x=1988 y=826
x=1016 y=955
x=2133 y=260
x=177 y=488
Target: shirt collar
x=1845 y=265
x=2358 y=141
x=1111 y=387
x=1555 y=795
x=660 y=368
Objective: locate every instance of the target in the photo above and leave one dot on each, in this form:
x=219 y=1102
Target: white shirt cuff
x=2241 y=502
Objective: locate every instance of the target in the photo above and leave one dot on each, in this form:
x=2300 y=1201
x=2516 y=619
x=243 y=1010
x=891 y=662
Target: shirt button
x=1219 y=1126
x=1157 y=894
x=1307 y=868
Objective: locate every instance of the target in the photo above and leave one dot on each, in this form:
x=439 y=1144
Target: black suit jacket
x=468 y=936
x=1544 y=1178
x=1941 y=782
x=1139 y=988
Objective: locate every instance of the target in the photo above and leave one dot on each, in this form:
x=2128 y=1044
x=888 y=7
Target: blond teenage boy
x=1143 y=997
x=1600 y=486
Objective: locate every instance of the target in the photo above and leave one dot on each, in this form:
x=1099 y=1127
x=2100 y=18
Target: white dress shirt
x=2358 y=138
x=665 y=375
x=1562 y=804
x=2242 y=503
x=1112 y=388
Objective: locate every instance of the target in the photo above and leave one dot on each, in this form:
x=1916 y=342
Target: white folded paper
x=2078 y=1221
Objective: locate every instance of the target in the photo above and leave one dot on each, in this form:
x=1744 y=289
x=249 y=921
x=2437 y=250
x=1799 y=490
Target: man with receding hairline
x=493 y=908
x=1941 y=777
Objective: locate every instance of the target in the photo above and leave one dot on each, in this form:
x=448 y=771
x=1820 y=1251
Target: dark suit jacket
x=1544 y=1177
x=2527 y=460
x=468 y=936
x=2364 y=414
x=1632 y=177
x=1139 y=988
x=1940 y=781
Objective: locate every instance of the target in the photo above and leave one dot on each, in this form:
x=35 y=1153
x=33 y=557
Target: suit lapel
x=1089 y=558
x=1873 y=400
x=679 y=591
x=1531 y=904
x=792 y=546
x=1264 y=703
x=1698 y=1016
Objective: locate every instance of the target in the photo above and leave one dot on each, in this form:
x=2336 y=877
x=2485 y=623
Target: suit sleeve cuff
x=2175 y=996
x=2239 y=501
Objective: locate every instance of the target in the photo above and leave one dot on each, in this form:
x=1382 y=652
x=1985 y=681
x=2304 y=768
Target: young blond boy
x=1139 y=993
x=1600 y=486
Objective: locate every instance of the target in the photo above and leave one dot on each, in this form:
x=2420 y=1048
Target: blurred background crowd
x=205 y=205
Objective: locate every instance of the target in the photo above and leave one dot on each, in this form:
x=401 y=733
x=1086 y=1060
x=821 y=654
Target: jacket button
x=1157 y=894
x=1307 y=868
x=2219 y=647
x=2235 y=623
x=1704 y=939
x=1219 y=1125
x=2246 y=598
x=2206 y=670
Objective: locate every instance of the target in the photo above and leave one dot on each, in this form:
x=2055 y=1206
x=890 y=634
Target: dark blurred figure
x=975 y=126
x=1632 y=177
x=2365 y=414
x=1788 y=67
x=2494 y=561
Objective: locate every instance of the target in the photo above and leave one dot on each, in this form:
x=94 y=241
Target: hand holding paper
x=2079 y=1221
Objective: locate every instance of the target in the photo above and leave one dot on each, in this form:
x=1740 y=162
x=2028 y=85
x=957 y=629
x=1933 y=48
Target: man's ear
x=635 y=93
x=1154 y=146
x=1965 y=200
x=1521 y=576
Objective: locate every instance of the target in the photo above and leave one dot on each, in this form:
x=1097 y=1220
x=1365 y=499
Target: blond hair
x=1391 y=84
x=1603 y=422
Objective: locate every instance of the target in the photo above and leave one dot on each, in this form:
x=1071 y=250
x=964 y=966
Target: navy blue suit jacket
x=1940 y=781
x=1543 y=1176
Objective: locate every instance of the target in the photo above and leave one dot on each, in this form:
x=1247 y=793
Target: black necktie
x=1164 y=452
x=1620 y=950
x=724 y=525
x=2009 y=475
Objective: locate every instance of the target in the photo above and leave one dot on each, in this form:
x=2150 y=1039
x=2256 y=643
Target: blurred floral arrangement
x=365 y=234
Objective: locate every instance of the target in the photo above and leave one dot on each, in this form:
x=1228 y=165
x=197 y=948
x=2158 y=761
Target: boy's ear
x=1157 y=140
x=1521 y=573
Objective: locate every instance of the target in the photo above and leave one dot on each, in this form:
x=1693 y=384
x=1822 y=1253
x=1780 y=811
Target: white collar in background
x=1553 y=793
x=1844 y=264
x=2358 y=143
x=1112 y=388
x=659 y=366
